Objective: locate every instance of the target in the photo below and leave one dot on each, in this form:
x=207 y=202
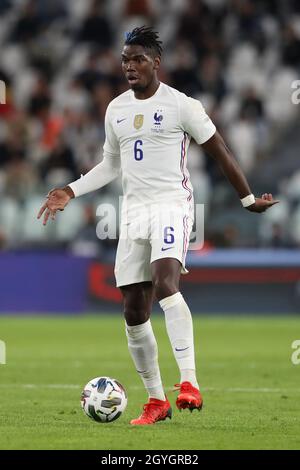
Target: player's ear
x=156 y=63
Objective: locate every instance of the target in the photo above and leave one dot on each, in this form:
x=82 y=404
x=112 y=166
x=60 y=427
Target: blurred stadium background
x=60 y=61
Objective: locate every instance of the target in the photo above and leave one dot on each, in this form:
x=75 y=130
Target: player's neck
x=148 y=92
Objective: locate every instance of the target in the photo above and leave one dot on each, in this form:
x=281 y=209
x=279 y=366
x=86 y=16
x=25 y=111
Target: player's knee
x=135 y=316
x=164 y=287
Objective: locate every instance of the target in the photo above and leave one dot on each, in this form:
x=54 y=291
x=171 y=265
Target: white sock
x=143 y=349
x=179 y=325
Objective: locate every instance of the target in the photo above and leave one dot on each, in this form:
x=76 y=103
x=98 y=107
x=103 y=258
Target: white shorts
x=162 y=232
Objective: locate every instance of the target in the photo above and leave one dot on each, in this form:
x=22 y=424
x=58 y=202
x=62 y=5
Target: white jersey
x=152 y=137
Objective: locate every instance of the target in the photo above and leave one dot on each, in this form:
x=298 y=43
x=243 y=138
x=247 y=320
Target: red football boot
x=155 y=410
x=189 y=397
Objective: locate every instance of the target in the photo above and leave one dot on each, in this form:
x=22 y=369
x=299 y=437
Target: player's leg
x=142 y=346
x=137 y=301
x=179 y=324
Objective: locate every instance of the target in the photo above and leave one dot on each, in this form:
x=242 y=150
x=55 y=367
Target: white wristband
x=248 y=200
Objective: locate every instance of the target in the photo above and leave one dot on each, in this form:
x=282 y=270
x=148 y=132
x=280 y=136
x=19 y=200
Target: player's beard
x=142 y=85
x=138 y=87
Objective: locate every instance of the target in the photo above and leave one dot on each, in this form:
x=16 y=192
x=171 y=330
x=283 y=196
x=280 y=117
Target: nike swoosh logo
x=177 y=349
x=169 y=248
x=121 y=120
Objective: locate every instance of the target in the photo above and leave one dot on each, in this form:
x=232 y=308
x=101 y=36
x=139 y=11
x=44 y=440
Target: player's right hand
x=57 y=199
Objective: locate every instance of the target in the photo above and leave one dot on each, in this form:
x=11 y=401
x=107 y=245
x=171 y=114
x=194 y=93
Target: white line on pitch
x=204 y=389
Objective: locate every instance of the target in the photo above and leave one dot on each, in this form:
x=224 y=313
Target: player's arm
x=216 y=147
x=99 y=176
x=197 y=123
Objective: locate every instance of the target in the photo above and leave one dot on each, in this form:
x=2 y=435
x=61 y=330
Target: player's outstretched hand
x=57 y=200
x=262 y=204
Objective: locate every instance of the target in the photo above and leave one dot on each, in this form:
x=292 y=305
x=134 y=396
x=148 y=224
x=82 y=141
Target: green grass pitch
x=251 y=388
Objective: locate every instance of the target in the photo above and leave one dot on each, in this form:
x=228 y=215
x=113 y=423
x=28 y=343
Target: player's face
x=139 y=67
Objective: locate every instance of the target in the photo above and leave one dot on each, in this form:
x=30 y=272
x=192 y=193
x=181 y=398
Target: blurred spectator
x=3 y=240
x=60 y=158
x=96 y=28
x=138 y=8
x=5 y=5
x=51 y=11
x=252 y=107
x=20 y=179
x=85 y=136
x=183 y=75
x=227 y=238
x=102 y=96
x=291 y=47
x=249 y=21
x=90 y=76
x=278 y=237
x=11 y=150
x=243 y=140
x=28 y=25
x=40 y=98
x=210 y=77
x=75 y=98
x=85 y=242
x=194 y=23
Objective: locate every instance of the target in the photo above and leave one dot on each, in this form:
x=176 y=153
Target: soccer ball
x=103 y=399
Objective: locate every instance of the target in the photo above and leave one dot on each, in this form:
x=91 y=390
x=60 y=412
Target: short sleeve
x=111 y=145
x=194 y=119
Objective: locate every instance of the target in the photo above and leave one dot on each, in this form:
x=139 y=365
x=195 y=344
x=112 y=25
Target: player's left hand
x=262 y=204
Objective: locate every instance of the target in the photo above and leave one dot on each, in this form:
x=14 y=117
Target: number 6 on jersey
x=138 y=152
